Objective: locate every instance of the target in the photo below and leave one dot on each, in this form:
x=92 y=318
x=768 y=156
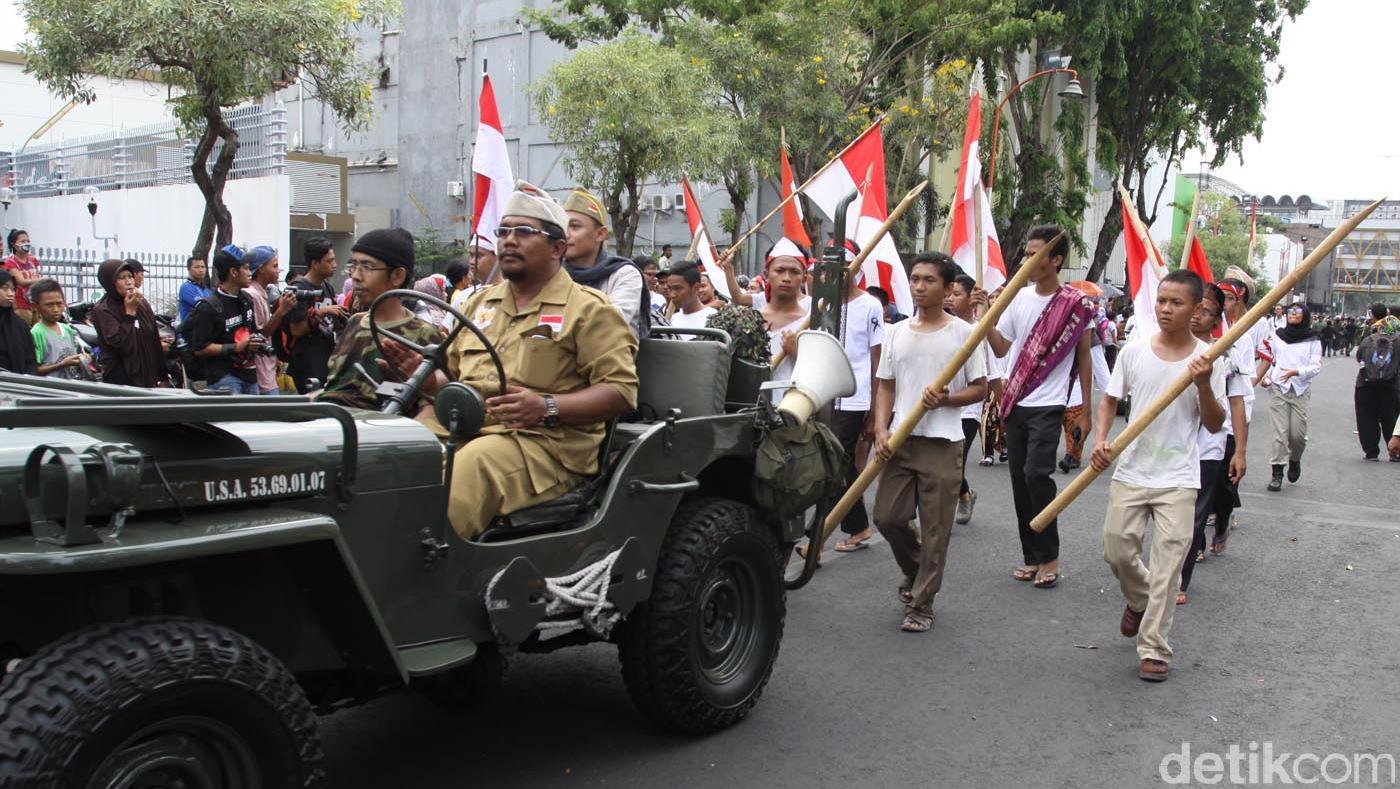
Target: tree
x=1171 y=76
x=216 y=55
x=630 y=111
x=824 y=69
x=1224 y=234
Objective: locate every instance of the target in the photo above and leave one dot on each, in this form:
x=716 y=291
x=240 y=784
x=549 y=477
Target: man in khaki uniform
x=568 y=355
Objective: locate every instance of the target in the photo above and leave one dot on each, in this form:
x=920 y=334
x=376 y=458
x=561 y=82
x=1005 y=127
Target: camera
x=266 y=348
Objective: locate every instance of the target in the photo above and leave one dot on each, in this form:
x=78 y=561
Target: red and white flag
x=792 y=212
x=1196 y=260
x=883 y=266
x=704 y=247
x=491 y=166
x=970 y=193
x=1143 y=274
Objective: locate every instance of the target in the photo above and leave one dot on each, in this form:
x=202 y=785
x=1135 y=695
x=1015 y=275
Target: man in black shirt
x=309 y=333
x=223 y=332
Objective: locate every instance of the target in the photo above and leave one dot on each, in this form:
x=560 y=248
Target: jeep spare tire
x=697 y=654
x=156 y=703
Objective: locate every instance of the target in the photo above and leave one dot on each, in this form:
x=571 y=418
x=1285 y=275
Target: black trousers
x=1377 y=408
x=1032 y=439
x=970 y=430
x=1205 y=505
x=846 y=426
x=1227 y=494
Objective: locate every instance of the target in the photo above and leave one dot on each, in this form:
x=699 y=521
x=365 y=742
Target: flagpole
x=980 y=241
x=729 y=253
x=944 y=377
x=1154 y=253
x=1190 y=229
x=1237 y=330
x=869 y=247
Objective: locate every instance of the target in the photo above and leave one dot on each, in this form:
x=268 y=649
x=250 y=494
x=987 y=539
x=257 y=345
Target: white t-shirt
x=1166 y=455
x=862 y=328
x=783 y=372
x=1213 y=444
x=993 y=367
x=1015 y=325
x=691 y=320
x=913 y=359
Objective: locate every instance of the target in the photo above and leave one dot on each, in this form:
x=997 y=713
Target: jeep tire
x=156 y=702
x=697 y=653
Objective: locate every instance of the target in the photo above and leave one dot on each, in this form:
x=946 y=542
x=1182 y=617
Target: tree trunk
x=631 y=217
x=216 y=227
x=1108 y=236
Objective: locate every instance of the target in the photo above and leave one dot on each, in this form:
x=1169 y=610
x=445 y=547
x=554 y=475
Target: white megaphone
x=820 y=374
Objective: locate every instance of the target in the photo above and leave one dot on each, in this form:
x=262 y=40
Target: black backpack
x=1379 y=361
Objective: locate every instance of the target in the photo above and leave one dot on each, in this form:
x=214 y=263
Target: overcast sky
x=1332 y=129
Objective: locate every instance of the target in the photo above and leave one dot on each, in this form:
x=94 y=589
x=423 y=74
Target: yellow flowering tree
x=216 y=55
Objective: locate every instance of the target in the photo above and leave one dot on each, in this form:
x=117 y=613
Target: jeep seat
x=682 y=368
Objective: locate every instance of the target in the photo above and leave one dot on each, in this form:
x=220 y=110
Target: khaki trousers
x=1289 y=412
x=924 y=477
x=1150 y=590
x=490 y=478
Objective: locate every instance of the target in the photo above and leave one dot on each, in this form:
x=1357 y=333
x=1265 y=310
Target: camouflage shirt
x=747 y=328
x=344 y=384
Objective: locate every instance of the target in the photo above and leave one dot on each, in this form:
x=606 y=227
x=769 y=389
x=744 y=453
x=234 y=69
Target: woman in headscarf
x=431 y=285
x=16 y=345
x=132 y=352
x=1294 y=355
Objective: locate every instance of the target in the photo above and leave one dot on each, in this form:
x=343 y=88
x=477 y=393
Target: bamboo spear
x=969 y=347
x=729 y=253
x=870 y=245
x=1221 y=346
x=978 y=243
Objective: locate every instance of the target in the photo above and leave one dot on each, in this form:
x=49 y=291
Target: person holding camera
x=271 y=306
x=223 y=330
x=308 y=335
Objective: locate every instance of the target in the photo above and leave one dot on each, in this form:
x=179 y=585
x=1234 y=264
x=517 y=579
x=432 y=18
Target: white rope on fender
x=585 y=591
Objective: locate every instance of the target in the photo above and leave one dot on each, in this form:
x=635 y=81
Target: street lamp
x=1071 y=91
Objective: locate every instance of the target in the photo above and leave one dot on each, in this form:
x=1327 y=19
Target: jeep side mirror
x=460 y=409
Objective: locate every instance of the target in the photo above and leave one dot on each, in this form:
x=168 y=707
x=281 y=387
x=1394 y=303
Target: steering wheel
x=432 y=354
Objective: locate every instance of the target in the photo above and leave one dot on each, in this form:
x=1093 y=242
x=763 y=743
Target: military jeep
x=190 y=579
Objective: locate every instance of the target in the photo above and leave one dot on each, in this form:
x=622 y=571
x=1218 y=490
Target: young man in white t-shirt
x=924 y=475
x=1033 y=421
x=683 y=284
x=959 y=302
x=1159 y=474
x=1217 y=471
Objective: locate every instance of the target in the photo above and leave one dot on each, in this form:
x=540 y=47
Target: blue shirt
x=190 y=296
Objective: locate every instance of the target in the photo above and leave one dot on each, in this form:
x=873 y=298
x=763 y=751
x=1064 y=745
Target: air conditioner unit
x=660 y=203
x=680 y=201
x=456 y=189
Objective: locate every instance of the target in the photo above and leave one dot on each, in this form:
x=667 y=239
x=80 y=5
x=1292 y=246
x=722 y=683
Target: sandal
x=1047 y=580
x=1217 y=544
x=851 y=546
x=1200 y=556
x=1181 y=598
x=906 y=594
x=917 y=622
x=1025 y=573
x=987 y=461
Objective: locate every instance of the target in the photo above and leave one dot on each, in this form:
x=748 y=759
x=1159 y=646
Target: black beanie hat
x=394 y=246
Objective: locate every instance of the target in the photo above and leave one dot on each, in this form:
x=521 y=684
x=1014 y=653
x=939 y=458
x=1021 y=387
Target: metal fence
x=76 y=271
x=147 y=156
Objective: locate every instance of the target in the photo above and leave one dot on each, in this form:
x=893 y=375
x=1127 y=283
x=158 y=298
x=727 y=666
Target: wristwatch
x=551 y=412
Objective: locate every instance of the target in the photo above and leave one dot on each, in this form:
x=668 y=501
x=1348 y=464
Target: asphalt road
x=1291 y=637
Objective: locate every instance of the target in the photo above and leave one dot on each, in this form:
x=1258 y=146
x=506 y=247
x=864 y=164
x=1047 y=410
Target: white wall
x=120 y=104
x=158 y=219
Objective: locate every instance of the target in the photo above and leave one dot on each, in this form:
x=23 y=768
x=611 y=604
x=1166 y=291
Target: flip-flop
x=847 y=546
x=1181 y=598
x=1024 y=573
x=1047 y=580
x=1217 y=544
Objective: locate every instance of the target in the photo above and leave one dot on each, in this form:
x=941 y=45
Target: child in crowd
x=55 y=341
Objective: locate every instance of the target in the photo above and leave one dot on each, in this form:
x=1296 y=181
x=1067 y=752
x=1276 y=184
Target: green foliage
x=431 y=252
x=631 y=111
x=215 y=55
x=1172 y=76
x=1225 y=238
